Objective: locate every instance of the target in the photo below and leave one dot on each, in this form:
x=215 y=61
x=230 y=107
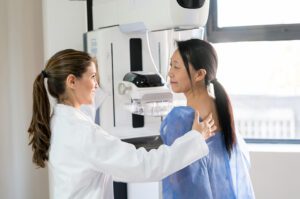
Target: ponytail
x=225 y=114
x=39 y=129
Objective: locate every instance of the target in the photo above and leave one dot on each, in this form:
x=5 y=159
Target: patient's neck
x=201 y=101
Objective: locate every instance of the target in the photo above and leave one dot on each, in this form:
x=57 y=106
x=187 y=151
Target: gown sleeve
x=125 y=163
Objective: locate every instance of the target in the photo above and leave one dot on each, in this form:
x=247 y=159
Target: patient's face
x=179 y=79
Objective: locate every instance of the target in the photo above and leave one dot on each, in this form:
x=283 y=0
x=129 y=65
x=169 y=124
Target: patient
x=223 y=174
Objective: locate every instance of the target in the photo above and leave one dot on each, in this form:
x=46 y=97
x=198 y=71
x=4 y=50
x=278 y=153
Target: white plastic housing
x=139 y=15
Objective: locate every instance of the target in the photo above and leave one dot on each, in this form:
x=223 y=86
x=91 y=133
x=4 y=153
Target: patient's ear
x=200 y=75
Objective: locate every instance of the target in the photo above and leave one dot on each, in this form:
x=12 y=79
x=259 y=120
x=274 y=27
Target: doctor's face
x=179 y=79
x=86 y=86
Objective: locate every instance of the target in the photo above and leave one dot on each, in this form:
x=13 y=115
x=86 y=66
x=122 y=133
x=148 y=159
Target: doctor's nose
x=96 y=84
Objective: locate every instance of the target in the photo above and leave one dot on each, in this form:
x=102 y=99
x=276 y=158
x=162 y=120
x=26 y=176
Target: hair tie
x=214 y=80
x=44 y=74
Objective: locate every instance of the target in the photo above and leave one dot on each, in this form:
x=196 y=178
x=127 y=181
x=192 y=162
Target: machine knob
x=122 y=88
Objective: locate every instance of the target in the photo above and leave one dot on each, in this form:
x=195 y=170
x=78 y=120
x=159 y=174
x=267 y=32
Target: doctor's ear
x=200 y=75
x=70 y=81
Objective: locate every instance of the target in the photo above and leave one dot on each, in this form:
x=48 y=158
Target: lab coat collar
x=69 y=111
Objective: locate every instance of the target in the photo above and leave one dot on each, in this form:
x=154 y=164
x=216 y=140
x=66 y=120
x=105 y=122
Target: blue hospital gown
x=216 y=176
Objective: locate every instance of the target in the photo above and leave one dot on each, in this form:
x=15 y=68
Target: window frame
x=278 y=32
x=271 y=141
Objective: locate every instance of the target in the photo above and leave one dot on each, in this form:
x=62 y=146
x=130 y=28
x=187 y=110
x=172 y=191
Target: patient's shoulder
x=181 y=112
x=180 y=119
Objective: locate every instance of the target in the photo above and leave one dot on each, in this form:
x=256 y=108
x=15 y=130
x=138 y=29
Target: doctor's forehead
x=91 y=68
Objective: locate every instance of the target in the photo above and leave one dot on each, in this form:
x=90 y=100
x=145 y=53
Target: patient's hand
x=206 y=127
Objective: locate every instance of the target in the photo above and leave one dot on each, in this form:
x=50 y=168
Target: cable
x=151 y=57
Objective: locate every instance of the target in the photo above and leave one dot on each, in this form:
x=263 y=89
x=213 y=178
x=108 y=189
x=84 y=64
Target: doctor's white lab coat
x=84 y=159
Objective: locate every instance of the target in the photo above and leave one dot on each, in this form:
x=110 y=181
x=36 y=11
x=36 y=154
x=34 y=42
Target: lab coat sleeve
x=125 y=163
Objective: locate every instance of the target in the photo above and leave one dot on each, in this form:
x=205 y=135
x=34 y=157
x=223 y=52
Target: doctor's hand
x=205 y=127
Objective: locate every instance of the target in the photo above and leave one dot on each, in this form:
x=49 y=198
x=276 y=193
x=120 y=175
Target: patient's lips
x=173 y=82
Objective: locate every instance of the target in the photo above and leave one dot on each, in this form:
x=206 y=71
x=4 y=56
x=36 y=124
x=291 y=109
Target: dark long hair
x=57 y=69
x=201 y=55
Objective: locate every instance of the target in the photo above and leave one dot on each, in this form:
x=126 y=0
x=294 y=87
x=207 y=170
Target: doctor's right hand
x=206 y=127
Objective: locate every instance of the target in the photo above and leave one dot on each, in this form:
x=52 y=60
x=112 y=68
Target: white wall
x=30 y=32
x=64 y=23
x=21 y=55
x=275 y=171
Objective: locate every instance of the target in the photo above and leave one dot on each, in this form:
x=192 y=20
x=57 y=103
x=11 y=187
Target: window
x=257 y=12
x=253 y=20
x=259 y=66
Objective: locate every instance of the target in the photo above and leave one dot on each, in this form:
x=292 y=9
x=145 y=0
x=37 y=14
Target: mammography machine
x=133 y=43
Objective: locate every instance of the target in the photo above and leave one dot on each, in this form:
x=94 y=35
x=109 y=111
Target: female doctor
x=83 y=159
